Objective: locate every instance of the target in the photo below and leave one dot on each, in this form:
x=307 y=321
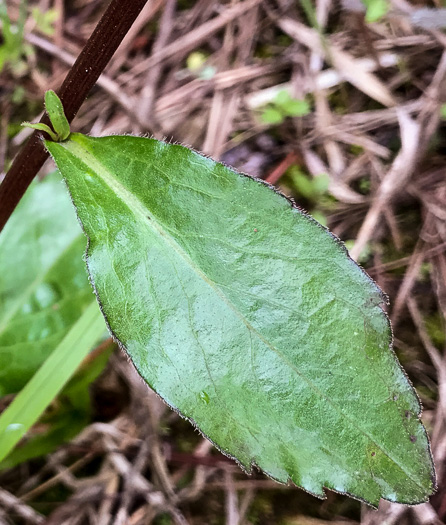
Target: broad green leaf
x=248 y=318
x=48 y=381
x=43 y=285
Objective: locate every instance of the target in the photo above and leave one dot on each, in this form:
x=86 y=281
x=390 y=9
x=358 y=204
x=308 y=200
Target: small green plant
x=13 y=47
x=284 y=106
x=375 y=9
x=365 y=254
x=45 y=20
x=241 y=311
x=312 y=188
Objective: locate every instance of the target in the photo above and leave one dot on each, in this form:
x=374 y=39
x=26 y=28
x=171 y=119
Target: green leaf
x=31 y=402
x=248 y=318
x=297 y=108
x=41 y=127
x=43 y=285
x=291 y=107
x=272 y=116
x=302 y=183
x=11 y=47
x=282 y=98
x=45 y=20
x=376 y=9
x=57 y=116
x=321 y=183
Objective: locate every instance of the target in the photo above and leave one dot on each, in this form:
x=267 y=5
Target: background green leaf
x=376 y=9
x=30 y=403
x=44 y=290
x=69 y=414
x=43 y=284
x=272 y=116
x=247 y=317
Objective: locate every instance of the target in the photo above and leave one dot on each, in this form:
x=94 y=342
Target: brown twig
x=10 y=502
x=274 y=175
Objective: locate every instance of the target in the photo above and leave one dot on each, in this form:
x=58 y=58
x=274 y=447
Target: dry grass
x=375 y=129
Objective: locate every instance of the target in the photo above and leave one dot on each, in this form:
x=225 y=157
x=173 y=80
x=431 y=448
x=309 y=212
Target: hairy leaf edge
x=384 y=300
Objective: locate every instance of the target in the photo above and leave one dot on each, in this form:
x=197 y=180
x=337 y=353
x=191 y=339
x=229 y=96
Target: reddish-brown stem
x=108 y=34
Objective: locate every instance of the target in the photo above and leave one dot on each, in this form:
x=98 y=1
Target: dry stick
x=394 y=181
x=415 y=137
x=435 y=355
x=346 y=65
x=108 y=34
x=109 y=85
x=404 y=261
x=148 y=93
x=232 y=511
x=59 y=34
x=147 y=13
x=277 y=172
x=410 y=278
x=53 y=481
x=184 y=44
x=13 y=504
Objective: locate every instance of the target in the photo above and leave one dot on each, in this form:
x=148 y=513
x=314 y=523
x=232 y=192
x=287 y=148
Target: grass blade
x=44 y=386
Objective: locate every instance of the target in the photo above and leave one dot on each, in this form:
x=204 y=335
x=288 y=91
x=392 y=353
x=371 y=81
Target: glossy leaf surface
x=43 y=284
x=248 y=318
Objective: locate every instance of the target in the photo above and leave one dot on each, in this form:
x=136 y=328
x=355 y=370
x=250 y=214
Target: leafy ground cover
x=342 y=112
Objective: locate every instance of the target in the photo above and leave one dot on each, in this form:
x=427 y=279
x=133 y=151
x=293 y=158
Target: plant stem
x=108 y=34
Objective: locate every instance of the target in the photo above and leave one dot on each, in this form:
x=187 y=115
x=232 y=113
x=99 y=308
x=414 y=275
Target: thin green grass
x=49 y=380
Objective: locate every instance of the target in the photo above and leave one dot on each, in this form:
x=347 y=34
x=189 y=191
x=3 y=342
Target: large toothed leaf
x=247 y=317
x=43 y=286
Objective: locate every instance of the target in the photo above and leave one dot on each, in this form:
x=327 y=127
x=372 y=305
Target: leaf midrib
x=136 y=207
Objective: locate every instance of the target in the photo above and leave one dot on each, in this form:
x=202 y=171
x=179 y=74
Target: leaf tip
x=56 y=114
